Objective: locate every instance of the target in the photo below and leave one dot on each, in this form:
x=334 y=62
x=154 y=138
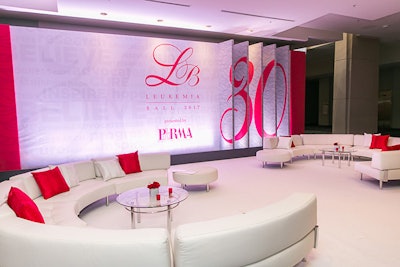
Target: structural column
x=355 y=88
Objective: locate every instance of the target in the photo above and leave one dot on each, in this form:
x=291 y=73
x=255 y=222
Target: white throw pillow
x=285 y=142
x=109 y=169
x=270 y=142
x=69 y=174
x=368 y=139
x=96 y=168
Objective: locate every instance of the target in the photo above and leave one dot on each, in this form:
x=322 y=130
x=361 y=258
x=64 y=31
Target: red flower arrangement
x=154 y=185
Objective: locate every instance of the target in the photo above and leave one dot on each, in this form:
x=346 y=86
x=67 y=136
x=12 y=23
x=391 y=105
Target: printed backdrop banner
x=255 y=57
x=268 y=104
x=80 y=95
x=69 y=96
x=282 y=90
x=241 y=73
x=225 y=94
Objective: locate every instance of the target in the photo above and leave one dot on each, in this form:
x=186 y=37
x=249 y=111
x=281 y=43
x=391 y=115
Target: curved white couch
x=280 y=234
x=64 y=240
x=25 y=243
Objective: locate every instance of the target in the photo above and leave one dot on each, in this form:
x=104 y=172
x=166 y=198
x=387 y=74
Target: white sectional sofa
x=64 y=240
x=281 y=234
x=278 y=235
x=311 y=144
x=384 y=166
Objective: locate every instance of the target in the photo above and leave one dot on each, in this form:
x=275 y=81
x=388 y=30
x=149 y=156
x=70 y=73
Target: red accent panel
x=297 y=92
x=9 y=146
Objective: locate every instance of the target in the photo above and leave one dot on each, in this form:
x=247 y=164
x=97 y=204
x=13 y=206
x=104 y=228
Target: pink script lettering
x=174 y=63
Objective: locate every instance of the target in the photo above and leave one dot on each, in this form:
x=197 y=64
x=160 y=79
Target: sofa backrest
x=31 y=188
x=155 y=161
x=327 y=139
x=393 y=141
x=244 y=239
x=270 y=142
x=358 y=140
x=385 y=160
x=63 y=246
x=5 y=187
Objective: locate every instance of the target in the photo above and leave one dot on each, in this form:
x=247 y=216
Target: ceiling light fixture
x=254 y=15
x=168 y=3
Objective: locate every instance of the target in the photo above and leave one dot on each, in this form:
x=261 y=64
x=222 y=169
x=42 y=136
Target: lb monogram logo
x=175 y=67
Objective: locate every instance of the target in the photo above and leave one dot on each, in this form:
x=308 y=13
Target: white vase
x=153 y=193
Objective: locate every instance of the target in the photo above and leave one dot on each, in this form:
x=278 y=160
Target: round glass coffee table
x=339 y=152
x=138 y=201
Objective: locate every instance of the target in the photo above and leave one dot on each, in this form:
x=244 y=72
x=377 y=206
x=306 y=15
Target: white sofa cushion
x=69 y=174
x=358 y=140
x=109 y=169
x=368 y=139
x=5 y=187
x=393 y=141
x=270 y=142
x=155 y=161
x=31 y=188
x=297 y=140
x=84 y=170
x=328 y=139
x=284 y=142
x=96 y=167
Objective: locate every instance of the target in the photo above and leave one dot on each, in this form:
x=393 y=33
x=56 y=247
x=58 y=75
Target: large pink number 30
x=258 y=101
x=241 y=84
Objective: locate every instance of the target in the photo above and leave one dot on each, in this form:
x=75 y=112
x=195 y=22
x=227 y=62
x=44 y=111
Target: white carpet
x=359 y=224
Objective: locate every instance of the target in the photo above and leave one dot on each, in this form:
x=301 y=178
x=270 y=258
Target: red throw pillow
x=129 y=162
x=379 y=141
x=51 y=182
x=23 y=205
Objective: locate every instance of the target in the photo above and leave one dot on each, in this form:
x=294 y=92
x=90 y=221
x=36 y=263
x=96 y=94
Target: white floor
x=359 y=224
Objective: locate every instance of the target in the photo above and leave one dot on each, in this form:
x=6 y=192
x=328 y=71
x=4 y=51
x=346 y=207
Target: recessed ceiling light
x=385 y=26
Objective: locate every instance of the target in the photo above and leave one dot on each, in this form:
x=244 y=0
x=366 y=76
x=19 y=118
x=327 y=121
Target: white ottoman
x=274 y=155
x=202 y=175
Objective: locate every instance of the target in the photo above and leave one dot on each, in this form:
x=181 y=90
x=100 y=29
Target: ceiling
x=300 y=23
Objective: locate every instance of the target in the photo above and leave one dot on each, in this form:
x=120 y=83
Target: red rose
x=153 y=185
